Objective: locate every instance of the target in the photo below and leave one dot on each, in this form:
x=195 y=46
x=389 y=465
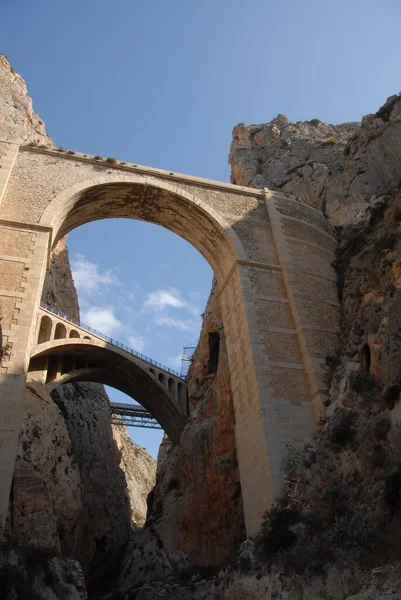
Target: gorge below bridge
x=276 y=290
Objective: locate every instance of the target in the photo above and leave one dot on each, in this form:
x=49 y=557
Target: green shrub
x=387 y=241
x=391 y=395
x=397 y=214
x=111 y=160
x=381 y=428
x=275 y=533
x=392 y=490
x=315 y=122
x=362 y=383
x=333 y=361
x=291 y=460
x=343 y=429
x=97 y=157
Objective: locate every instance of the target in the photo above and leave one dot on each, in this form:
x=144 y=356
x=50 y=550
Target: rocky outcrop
x=341 y=169
x=18 y=121
x=47 y=485
x=140 y=472
x=343 y=493
x=35 y=576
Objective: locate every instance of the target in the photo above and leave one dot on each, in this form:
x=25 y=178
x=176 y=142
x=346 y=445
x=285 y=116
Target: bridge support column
x=23 y=256
x=272 y=400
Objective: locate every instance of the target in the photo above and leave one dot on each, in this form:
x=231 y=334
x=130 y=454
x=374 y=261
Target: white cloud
x=103 y=319
x=136 y=341
x=183 y=324
x=88 y=277
x=161 y=299
x=175 y=361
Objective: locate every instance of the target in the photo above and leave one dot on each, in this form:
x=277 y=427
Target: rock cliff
x=69 y=494
x=335 y=534
x=337 y=528
x=195 y=518
x=18 y=121
x=341 y=169
x=140 y=472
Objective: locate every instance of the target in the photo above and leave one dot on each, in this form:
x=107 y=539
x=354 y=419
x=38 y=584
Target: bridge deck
x=55 y=311
x=132 y=415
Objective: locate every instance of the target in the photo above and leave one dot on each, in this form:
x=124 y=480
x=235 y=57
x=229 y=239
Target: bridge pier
x=23 y=257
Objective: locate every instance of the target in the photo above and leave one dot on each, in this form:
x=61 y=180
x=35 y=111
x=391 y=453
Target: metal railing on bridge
x=109 y=340
x=132 y=415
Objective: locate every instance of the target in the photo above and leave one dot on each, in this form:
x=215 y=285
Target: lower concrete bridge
x=67 y=351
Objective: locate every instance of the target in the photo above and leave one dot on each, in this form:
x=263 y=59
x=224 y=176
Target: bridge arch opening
x=159 y=203
x=60 y=331
x=77 y=360
x=45 y=329
x=74 y=334
x=156 y=201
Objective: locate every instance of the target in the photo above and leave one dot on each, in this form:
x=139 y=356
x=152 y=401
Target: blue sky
x=162 y=84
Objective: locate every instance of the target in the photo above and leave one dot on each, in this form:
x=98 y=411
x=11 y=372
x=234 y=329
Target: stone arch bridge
x=66 y=351
x=276 y=288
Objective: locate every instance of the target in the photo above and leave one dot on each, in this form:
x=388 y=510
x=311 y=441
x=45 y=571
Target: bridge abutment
x=23 y=256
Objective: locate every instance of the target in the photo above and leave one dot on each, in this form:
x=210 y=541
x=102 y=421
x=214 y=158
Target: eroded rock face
x=195 y=512
x=341 y=169
x=140 y=472
x=18 y=121
x=343 y=491
x=47 y=485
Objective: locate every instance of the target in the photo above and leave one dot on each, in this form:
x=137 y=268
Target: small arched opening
x=366 y=358
x=74 y=334
x=171 y=385
x=153 y=372
x=214 y=351
x=86 y=337
x=162 y=379
x=183 y=398
x=60 y=332
x=45 y=329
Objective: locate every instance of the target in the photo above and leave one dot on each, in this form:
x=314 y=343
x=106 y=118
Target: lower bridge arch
x=91 y=361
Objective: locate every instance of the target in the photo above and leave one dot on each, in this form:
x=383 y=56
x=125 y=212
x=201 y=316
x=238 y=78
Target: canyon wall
x=69 y=494
x=341 y=169
x=195 y=518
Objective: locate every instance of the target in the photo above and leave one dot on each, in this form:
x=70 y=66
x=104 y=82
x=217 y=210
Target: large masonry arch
x=271 y=255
